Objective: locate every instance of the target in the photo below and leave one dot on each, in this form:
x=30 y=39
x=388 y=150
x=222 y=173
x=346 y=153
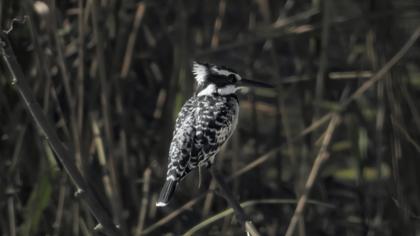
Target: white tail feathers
x=166 y=193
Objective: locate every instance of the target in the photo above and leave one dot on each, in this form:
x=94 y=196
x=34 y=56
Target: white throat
x=211 y=89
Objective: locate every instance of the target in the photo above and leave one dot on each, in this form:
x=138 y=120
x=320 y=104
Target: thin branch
x=17 y=79
x=174 y=214
x=218 y=24
x=323 y=60
x=246 y=204
x=385 y=69
x=60 y=206
x=104 y=98
x=80 y=67
x=239 y=212
x=11 y=212
x=322 y=156
x=141 y=8
x=192 y=202
x=316 y=124
x=405 y=133
x=144 y=201
x=14 y=21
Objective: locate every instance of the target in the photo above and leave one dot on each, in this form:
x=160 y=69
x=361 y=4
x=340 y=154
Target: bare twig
x=209 y=200
x=246 y=204
x=11 y=212
x=20 y=20
x=17 y=79
x=316 y=124
x=239 y=212
x=192 y=202
x=405 y=133
x=100 y=39
x=141 y=8
x=323 y=60
x=100 y=150
x=81 y=67
x=218 y=24
x=60 y=205
x=341 y=75
x=320 y=159
x=144 y=201
x=173 y=214
x=385 y=69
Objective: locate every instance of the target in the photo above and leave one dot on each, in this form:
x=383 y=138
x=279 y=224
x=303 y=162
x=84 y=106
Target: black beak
x=253 y=83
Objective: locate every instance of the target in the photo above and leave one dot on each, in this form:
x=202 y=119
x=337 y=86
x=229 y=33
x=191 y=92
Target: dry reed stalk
x=18 y=80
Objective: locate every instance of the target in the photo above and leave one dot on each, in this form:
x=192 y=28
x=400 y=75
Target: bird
x=204 y=124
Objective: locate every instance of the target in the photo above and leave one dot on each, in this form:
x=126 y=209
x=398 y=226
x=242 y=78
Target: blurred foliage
x=112 y=76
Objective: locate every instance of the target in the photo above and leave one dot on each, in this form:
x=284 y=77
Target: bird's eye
x=232 y=78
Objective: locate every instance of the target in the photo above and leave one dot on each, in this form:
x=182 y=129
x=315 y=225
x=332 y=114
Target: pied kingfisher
x=206 y=121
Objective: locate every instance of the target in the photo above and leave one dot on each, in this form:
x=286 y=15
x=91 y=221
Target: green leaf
x=37 y=203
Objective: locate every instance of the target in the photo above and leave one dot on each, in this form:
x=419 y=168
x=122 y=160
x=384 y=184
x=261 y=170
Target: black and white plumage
x=205 y=122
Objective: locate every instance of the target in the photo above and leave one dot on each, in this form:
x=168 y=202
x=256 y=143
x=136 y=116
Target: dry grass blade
x=320 y=159
x=259 y=161
x=239 y=212
x=172 y=215
x=144 y=201
x=385 y=69
x=207 y=222
x=111 y=76
x=17 y=79
x=141 y=8
x=322 y=155
x=405 y=133
x=11 y=215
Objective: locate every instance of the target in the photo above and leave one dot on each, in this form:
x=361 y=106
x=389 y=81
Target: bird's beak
x=253 y=83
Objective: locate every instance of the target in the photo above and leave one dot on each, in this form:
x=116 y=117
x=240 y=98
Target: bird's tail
x=166 y=193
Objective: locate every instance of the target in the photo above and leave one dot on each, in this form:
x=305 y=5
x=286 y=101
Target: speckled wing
x=216 y=120
x=182 y=141
x=203 y=125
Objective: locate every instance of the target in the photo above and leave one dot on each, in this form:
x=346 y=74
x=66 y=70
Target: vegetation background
x=112 y=75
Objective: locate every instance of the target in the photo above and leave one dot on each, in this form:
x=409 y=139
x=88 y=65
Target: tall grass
x=112 y=75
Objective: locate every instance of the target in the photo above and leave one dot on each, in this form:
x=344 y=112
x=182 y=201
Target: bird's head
x=213 y=80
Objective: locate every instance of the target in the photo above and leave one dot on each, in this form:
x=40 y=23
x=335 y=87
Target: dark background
x=111 y=75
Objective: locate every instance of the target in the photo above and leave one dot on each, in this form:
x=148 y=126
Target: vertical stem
x=218 y=24
x=11 y=212
x=60 y=207
x=17 y=79
x=323 y=60
x=104 y=100
x=322 y=156
x=81 y=66
x=239 y=212
x=144 y=201
x=141 y=8
x=71 y=101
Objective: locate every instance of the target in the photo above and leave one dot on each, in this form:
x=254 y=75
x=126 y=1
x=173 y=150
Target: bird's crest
x=200 y=72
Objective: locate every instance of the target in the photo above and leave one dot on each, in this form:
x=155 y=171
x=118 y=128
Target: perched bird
x=206 y=121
